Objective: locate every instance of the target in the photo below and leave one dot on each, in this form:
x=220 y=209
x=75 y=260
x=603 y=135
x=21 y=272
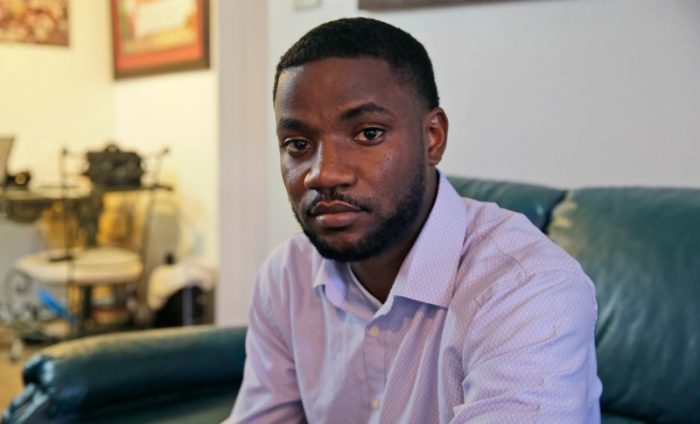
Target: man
x=402 y=302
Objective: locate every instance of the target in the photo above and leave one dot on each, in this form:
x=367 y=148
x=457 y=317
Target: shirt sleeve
x=269 y=392
x=529 y=356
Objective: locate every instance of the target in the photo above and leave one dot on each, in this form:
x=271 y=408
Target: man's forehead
x=348 y=80
x=333 y=67
x=364 y=65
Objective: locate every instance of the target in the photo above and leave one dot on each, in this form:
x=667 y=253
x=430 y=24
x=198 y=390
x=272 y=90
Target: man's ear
x=436 y=134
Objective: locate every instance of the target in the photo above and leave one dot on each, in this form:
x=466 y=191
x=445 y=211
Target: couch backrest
x=641 y=247
x=535 y=202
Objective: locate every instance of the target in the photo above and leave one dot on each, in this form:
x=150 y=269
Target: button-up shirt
x=487 y=322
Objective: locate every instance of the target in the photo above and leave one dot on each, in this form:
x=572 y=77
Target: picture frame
x=42 y=23
x=378 y=5
x=158 y=36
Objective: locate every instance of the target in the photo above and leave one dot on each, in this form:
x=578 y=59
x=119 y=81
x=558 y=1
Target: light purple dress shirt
x=487 y=322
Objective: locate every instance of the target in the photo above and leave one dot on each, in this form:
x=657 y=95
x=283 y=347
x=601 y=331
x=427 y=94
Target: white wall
x=178 y=111
x=52 y=96
x=561 y=92
x=569 y=92
x=243 y=147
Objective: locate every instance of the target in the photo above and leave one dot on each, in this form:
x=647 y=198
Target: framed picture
x=34 y=22
x=407 y=4
x=156 y=36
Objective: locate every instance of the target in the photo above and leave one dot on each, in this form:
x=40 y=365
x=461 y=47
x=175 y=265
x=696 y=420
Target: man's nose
x=331 y=167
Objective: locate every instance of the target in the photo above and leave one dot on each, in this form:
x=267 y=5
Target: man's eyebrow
x=364 y=108
x=290 y=123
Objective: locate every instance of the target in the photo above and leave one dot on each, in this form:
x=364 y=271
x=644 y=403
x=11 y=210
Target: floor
x=11 y=372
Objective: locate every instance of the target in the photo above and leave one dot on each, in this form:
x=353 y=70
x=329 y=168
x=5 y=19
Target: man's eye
x=295 y=145
x=369 y=134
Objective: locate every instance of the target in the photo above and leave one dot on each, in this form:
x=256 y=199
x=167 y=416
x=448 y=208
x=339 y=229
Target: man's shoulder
x=505 y=245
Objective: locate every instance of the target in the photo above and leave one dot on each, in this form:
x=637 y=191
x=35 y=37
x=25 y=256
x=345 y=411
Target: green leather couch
x=641 y=246
x=179 y=375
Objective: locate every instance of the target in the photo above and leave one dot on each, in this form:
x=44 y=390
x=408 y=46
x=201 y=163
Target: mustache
x=334 y=195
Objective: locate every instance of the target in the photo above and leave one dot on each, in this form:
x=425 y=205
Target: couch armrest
x=73 y=377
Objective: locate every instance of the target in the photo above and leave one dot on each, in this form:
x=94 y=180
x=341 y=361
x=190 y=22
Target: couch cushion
x=616 y=419
x=535 y=202
x=203 y=406
x=641 y=247
x=119 y=375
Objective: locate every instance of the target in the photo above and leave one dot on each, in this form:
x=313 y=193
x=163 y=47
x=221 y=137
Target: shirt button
x=374 y=331
x=375 y=404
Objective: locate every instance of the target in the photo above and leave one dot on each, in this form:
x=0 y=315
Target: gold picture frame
x=157 y=36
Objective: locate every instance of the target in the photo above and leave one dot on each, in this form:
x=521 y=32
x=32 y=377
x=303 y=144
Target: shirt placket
x=374 y=357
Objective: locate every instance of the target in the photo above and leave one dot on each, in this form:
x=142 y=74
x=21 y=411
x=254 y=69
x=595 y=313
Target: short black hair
x=365 y=37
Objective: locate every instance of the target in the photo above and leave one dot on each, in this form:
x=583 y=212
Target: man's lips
x=335 y=214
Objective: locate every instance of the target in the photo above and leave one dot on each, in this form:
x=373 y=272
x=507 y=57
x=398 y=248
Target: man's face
x=354 y=155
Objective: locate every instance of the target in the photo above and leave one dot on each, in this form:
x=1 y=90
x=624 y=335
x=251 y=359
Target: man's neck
x=377 y=274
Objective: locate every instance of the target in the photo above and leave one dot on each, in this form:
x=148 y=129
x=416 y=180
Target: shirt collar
x=428 y=271
x=330 y=275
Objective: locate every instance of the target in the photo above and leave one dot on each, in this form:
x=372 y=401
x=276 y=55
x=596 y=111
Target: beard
x=391 y=229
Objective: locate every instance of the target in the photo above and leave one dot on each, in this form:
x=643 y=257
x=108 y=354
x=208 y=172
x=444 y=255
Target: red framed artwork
x=156 y=36
x=407 y=4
